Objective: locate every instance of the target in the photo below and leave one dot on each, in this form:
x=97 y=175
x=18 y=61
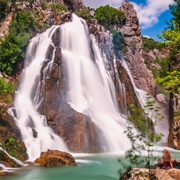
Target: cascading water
x=162 y=125
x=36 y=134
x=91 y=88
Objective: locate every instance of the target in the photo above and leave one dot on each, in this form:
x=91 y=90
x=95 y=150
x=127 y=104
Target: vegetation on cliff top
x=109 y=16
x=150 y=44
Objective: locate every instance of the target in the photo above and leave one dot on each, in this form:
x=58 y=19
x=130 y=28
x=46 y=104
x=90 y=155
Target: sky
x=152 y=14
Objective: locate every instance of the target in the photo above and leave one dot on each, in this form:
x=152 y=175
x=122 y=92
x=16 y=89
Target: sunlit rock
x=54 y=158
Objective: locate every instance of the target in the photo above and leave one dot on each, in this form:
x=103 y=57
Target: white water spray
x=91 y=88
x=161 y=126
x=36 y=134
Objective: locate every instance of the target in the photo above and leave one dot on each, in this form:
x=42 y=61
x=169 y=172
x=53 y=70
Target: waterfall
x=161 y=125
x=36 y=134
x=91 y=89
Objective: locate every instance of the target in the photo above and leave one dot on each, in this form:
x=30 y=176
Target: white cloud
x=146 y=36
x=97 y=3
x=149 y=14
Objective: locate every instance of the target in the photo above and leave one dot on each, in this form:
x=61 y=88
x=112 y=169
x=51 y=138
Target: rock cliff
x=131 y=31
x=78 y=130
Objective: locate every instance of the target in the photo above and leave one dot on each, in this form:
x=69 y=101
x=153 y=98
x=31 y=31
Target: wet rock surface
x=54 y=158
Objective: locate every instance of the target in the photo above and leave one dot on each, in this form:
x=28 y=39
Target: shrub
x=12 y=48
x=144 y=121
x=6 y=87
x=69 y=3
x=150 y=44
x=3 y=9
x=108 y=16
x=84 y=14
x=118 y=41
x=58 y=8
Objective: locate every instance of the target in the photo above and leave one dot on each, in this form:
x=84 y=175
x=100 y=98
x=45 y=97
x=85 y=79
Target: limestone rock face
x=131 y=31
x=125 y=92
x=54 y=158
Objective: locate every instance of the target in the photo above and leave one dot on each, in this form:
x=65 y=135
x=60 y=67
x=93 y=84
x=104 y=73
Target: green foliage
x=133 y=45
x=85 y=14
x=118 y=41
x=58 y=7
x=171 y=82
x=12 y=48
x=6 y=87
x=69 y=3
x=170 y=79
x=3 y=9
x=11 y=141
x=175 y=11
x=108 y=16
x=144 y=138
x=150 y=44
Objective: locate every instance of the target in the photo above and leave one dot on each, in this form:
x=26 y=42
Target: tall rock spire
x=132 y=35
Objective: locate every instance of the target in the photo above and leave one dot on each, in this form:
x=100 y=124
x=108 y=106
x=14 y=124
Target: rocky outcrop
x=10 y=137
x=54 y=158
x=124 y=90
x=4 y=25
x=4 y=173
x=7 y=161
x=174 y=135
x=151 y=57
x=131 y=31
x=156 y=174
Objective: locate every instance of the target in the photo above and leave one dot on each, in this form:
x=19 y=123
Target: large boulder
x=155 y=174
x=55 y=158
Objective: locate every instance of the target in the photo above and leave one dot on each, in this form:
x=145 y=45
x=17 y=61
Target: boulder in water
x=55 y=158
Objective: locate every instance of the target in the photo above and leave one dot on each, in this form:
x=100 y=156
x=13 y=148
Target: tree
x=3 y=9
x=169 y=79
x=141 y=133
x=12 y=49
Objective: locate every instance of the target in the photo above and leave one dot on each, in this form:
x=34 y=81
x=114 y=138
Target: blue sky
x=152 y=14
